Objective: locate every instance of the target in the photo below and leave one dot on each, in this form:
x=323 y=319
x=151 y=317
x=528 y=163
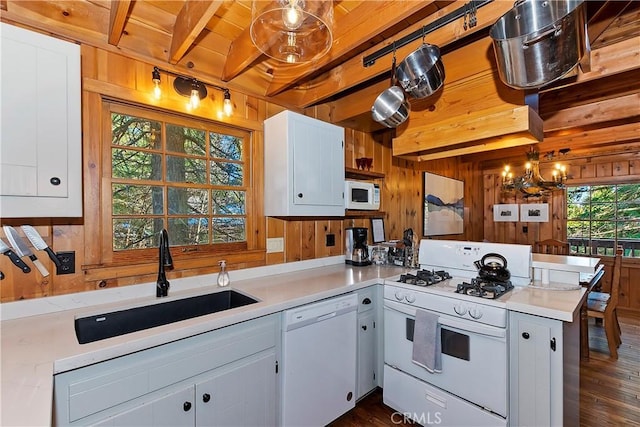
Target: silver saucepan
x=538 y=42
x=421 y=74
x=391 y=108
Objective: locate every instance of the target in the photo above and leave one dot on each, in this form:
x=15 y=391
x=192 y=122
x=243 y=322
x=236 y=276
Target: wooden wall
x=602 y=169
x=110 y=76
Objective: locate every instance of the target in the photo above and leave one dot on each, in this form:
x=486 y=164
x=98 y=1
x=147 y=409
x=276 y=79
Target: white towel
x=426 y=342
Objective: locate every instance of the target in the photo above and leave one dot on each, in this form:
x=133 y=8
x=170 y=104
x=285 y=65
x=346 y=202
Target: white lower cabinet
x=544 y=370
x=220 y=378
x=369 y=367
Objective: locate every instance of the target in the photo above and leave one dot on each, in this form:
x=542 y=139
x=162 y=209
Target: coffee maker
x=356 y=252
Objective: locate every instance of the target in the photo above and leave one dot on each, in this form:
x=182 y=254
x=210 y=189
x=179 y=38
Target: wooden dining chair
x=602 y=305
x=551 y=247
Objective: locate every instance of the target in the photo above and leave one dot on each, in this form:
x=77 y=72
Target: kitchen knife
x=22 y=249
x=6 y=250
x=38 y=243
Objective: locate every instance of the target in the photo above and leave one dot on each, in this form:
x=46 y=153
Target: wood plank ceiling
x=210 y=40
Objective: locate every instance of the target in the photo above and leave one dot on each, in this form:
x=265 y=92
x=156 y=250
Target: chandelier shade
x=531 y=183
x=292 y=31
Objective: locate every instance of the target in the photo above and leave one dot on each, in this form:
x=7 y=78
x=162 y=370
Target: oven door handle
x=445 y=320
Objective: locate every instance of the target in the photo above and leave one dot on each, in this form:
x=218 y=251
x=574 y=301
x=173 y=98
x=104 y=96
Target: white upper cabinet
x=304 y=166
x=40 y=135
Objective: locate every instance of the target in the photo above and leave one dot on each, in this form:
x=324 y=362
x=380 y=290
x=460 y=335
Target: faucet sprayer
x=164 y=260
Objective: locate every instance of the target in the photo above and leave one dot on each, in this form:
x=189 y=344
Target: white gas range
x=472 y=387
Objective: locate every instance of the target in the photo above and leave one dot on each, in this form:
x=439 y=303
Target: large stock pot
x=538 y=42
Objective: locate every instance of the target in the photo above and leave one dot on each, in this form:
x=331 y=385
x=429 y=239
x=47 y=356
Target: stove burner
x=484 y=288
x=424 y=277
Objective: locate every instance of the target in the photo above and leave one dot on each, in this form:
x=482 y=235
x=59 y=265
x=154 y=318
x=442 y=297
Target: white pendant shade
x=292 y=31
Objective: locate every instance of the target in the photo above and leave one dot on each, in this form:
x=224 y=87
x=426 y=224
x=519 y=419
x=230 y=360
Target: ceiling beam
x=242 y=53
x=608 y=110
x=352 y=73
x=604 y=17
x=117 y=19
x=355 y=29
x=190 y=21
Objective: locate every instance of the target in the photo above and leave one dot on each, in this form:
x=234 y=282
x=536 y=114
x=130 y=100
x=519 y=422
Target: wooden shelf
x=363 y=214
x=362 y=174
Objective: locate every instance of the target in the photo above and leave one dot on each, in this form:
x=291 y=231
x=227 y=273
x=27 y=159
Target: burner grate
x=484 y=288
x=424 y=277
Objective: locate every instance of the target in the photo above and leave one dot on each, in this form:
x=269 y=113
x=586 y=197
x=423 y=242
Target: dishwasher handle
x=317 y=312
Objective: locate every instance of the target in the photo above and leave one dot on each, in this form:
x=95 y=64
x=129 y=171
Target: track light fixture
x=192 y=88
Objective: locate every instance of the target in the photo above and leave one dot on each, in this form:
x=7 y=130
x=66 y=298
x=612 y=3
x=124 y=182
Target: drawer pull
x=186 y=406
x=206 y=397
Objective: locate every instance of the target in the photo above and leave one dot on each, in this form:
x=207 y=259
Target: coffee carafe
x=356 y=252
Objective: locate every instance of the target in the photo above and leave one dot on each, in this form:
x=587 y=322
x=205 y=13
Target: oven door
x=474 y=356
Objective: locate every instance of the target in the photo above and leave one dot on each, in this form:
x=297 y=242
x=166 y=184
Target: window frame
x=116 y=257
x=628 y=252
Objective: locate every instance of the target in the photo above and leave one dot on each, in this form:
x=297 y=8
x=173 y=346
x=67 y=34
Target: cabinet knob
x=366 y=301
x=364 y=327
x=300 y=195
x=206 y=397
x=525 y=335
x=55 y=180
x=186 y=406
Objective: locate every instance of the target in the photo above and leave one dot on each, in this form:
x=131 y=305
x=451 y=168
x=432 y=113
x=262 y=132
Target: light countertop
x=38 y=337
x=579 y=264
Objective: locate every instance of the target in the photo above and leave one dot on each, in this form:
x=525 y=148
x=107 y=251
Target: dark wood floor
x=609 y=389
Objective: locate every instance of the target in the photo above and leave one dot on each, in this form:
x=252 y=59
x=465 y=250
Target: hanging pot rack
x=468 y=9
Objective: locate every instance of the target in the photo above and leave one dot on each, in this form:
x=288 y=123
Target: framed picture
x=443 y=208
x=505 y=213
x=377 y=230
x=534 y=212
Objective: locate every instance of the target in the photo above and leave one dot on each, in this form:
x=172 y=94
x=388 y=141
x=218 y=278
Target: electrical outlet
x=331 y=240
x=68 y=261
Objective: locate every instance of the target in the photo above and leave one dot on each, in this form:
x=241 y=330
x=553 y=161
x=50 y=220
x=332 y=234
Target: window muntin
x=184 y=175
x=600 y=217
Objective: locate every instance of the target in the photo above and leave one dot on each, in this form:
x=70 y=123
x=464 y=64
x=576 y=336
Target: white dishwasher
x=318 y=361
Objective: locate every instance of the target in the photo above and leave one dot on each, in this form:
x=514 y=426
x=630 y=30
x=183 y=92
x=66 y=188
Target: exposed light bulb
x=292 y=15
x=155 y=77
x=194 y=100
x=157 y=90
x=227 y=106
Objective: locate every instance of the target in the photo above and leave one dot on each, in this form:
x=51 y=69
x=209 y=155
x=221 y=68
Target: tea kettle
x=493 y=270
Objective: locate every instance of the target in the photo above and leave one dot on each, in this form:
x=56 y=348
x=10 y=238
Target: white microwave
x=361 y=195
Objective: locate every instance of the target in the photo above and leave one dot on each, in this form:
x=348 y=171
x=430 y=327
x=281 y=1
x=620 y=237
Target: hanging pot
x=493 y=270
x=538 y=42
x=421 y=74
x=391 y=108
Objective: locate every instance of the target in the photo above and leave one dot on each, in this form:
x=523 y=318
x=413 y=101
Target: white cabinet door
x=537 y=371
x=366 y=353
x=304 y=166
x=40 y=136
x=243 y=395
x=175 y=409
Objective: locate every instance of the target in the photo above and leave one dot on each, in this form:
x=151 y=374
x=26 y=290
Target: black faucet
x=164 y=260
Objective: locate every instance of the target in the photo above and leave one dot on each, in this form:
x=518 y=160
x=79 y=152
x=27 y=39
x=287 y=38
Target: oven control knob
x=410 y=298
x=476 y=313
x=399 y=296
x=460 y=309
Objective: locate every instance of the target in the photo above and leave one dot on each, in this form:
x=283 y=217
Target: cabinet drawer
x=91 y=389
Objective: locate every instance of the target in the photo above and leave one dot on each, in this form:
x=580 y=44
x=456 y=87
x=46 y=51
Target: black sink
x=115 y=323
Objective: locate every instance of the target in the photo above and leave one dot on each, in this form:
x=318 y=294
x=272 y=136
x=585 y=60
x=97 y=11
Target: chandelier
x=292 y=31
x=531 y=183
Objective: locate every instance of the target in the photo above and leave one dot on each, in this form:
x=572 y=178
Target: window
x=186 y=175
x=600 y=217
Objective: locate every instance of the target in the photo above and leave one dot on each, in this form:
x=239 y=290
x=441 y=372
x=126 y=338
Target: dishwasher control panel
x=319 y=311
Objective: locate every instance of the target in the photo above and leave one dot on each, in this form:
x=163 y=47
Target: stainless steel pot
x=391 y=108
x=421 y=73
x=538 y=42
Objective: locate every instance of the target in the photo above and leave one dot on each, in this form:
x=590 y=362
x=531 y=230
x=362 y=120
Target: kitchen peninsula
x=43 y=343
